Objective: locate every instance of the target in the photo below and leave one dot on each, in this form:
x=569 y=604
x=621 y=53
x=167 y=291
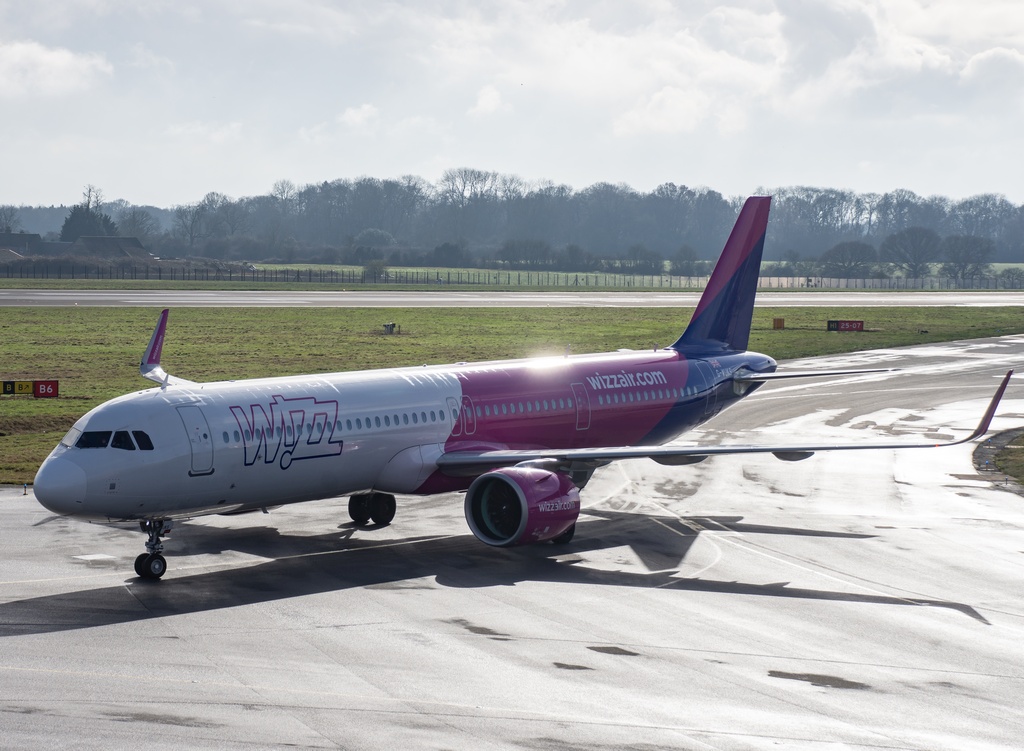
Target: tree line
x=475 y=218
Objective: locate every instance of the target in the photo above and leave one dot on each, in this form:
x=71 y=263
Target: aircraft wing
x=464 y=463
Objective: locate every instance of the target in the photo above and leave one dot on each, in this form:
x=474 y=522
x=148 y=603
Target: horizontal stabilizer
x=749 y=376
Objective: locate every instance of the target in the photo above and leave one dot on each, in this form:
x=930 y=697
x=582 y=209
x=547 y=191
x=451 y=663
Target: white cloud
x=359 y=118
x=302 y=19
x=214 y=133
x=489 y=102
x=670 y=110
x=141 y=56
x=417 y=124
x=318 y=134
x=998 y=67
x=31 y=69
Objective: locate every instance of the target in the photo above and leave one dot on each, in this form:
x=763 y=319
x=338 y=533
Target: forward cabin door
x=200 y=440
x=468 y=416
x=463 y=417
x=456 y=414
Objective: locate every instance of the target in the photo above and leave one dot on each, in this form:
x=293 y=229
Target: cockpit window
x=71 y=438
x=122 y=441
x=93 y=439
x=143 y=440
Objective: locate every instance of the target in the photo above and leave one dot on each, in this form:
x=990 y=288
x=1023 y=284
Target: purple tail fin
x=722 y=318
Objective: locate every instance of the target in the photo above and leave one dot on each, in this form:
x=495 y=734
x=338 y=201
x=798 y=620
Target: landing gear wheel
x=565 y=537
x=150 y=565
x=383 y=509
x=359 y=508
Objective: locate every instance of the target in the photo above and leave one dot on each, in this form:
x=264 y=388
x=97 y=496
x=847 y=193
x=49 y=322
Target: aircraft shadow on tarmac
x=349 y=558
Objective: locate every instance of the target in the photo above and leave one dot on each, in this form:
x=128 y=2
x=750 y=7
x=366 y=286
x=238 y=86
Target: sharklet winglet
x=986 y=419
x=149 y=366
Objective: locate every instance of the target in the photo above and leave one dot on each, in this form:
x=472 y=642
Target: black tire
x=565 y=537
x=359 y=508
x=153 y=566
x=383 y=509
x=139 y=563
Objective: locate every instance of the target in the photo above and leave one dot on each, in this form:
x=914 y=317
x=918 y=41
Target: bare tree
x=982 y=216
x=137 y=222
x=212 y=215
x=92 y=198
x=912 y=250
x=967 y=257
x=234 y=217
x=284 y=191
x=848 y=260
x=188 y=222
x=9 y=219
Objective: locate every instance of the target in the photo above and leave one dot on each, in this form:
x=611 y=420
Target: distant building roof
x=108 y=247
x=22 y=242
x=53 y=248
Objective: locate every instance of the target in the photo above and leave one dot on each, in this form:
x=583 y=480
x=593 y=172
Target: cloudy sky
x=159 y=102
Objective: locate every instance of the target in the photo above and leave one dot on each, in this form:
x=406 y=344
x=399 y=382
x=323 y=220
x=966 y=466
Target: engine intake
x=521 y=506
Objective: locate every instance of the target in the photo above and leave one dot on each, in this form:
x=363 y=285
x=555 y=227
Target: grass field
x=94 y=352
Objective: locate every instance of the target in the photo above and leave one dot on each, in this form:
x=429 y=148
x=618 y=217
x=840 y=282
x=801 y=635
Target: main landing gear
x=152 y=565
x=380 y=507
x=566 y=537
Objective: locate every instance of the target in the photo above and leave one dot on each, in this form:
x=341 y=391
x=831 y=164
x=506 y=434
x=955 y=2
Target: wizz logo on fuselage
x=296 y=428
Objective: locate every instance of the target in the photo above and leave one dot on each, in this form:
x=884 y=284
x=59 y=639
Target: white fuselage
x=228 y=447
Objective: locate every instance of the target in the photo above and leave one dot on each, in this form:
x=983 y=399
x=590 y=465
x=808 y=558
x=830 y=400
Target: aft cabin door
x=200 y=440
x=582 y=406
x=708 y=387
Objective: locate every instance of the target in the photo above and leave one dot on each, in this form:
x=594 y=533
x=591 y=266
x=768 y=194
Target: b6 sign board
x=44 y=389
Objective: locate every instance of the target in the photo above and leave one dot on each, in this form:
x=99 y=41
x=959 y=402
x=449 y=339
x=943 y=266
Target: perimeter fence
x=466 y=277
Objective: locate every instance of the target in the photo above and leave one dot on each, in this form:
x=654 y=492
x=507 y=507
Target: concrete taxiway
x=852 y=600
x=489 y=299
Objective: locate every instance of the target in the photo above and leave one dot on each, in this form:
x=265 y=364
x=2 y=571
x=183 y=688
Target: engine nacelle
x=521 y=506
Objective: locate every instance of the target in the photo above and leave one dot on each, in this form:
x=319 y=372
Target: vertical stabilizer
x=722 y=318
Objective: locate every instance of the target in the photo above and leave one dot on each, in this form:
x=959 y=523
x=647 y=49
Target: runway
x=853 y=600
x=487 y=299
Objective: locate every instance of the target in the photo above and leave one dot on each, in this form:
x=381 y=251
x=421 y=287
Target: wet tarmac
x=852 y=600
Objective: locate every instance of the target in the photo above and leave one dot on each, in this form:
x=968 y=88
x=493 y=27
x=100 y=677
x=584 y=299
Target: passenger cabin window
x=93 y=439
x=122 y=441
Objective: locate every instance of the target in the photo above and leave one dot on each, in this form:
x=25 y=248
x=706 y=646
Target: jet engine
x=521 y=506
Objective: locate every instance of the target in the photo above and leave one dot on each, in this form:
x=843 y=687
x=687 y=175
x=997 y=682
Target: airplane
x=521 y=437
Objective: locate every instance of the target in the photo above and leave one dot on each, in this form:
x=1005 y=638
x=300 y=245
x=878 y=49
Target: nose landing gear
x=152 y=565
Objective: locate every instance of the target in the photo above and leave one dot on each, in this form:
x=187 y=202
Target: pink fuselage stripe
x=619 y=400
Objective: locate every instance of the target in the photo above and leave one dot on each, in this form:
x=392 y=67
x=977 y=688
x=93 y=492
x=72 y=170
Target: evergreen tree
x=83 y=221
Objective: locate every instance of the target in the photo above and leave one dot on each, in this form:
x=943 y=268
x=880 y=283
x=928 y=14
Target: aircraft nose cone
x=60 y=486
